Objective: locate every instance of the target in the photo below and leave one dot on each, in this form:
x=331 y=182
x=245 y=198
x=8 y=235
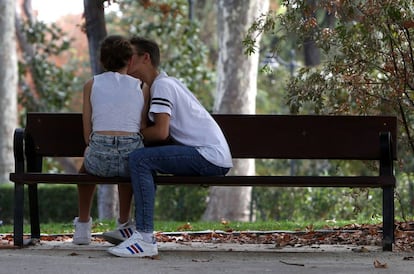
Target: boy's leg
x=143 y=163
x=171 y=159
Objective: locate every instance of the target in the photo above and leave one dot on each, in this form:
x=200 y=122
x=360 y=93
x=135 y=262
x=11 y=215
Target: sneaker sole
x=154 y=257
x=112 y=240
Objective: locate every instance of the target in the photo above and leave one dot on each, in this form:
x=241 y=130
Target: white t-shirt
x=190 y=122
x=117 y=102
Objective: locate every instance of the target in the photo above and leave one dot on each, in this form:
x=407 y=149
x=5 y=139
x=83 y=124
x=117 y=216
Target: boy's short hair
x=143 y=45
x=115 y=52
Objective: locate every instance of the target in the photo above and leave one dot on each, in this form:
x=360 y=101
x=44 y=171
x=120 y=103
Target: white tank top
x=117 y=102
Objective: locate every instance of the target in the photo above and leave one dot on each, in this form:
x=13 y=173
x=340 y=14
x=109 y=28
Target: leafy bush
x=180 y=203
x=57 y=203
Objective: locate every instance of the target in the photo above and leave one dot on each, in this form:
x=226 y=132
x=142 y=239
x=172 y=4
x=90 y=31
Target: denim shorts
x=107 y=156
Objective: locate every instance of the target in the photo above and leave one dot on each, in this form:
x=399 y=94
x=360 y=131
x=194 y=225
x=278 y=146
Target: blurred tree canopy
x=366 y=68
x=367 y=64
x=44 y=84
x=168 y=23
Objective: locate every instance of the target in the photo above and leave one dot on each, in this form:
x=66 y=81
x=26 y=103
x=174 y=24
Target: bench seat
x=281 y=181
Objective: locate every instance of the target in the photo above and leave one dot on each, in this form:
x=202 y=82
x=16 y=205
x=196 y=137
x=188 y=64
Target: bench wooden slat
x=307 y=136
x=294 y=181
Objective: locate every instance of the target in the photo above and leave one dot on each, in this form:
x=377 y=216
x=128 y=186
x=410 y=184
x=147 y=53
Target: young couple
x=119 y=113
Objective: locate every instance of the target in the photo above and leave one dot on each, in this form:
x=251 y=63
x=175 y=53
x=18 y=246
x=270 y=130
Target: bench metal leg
x=18 y=214
x=387 y=169
x=388 y=218
x=34 y=212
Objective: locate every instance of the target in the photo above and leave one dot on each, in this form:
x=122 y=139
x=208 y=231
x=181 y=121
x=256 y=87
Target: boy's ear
x=147 y=57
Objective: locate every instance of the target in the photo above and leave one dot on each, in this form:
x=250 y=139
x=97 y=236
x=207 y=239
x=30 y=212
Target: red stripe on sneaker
x=134 y=247
x=129 y=232
x=139 y=247
x=130 y=250
x=126 y=233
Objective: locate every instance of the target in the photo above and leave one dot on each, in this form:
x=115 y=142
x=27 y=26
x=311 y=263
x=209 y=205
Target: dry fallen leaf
x=224 y=222
x=359 y=236
x=378 y=264
x=283 y=262
x=309 y=228
x=186 y=226
x=201 y=260
x=362 y=249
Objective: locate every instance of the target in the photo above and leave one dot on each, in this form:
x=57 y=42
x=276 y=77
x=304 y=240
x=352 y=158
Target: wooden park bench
x=249 y=136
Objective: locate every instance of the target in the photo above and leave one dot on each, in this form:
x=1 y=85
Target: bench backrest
x=249 y=136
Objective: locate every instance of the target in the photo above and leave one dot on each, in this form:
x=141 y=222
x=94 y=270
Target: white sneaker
x=120 y=234
x=82 y=235
x=135 y=246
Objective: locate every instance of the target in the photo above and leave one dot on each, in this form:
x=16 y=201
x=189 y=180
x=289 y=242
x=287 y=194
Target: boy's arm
x=159 y=131
x=147 y=101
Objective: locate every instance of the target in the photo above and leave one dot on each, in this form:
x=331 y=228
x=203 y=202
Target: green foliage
x=183 y=54
x=44 y=85
x=367 y=68
x=368 y=61
x=313 y=204
x=180 y=203
x=57 y=203
x=405 y=196
x=265 y=23
x=271 y=92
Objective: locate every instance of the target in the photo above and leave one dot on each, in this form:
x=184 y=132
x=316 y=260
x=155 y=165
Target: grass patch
x=173 y=226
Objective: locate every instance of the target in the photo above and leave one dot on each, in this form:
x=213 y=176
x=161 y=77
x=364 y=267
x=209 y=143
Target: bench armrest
x=386 y=160
x=18 y=150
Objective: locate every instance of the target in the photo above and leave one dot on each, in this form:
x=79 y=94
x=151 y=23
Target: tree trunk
x=8 y=87
x=311 y=51
x=236 y=93
x=96 y=32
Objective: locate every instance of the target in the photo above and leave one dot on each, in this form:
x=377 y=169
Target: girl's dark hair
x=115 y=53
x=143 y=45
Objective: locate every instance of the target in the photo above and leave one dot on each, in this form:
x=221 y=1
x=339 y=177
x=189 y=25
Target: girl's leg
x=125 y=198
x=85 y=198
